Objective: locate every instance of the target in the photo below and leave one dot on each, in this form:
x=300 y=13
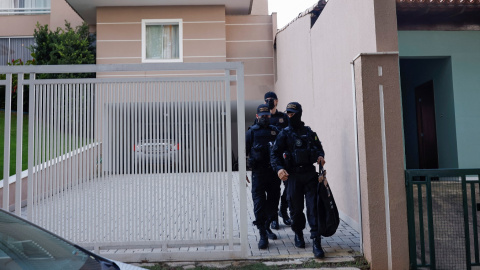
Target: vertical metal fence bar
x=135 y=142
x=70 y=156
x=63 y=152
x=6 y=153
x=89 y=148
x=38 y=155
x=162 y=190
x=31 y=119
x=201 y=157
x=466 y=223
x=55 y=157
x=116 y=93
x=127 y=155
x=18 y=182
x=229 y=163
x=241 y=158
x=474 y=220
x=48 y=156
x=211 y=158
x=104 y=124
x=41 y=175
x=411 y=221
x=86 y=200
x=219 y=153
x=188 y=146
x=74 y=158
x=431 y=239
x=225 y=179
x=421 y=226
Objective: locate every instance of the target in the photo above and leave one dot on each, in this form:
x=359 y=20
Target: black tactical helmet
x=263 y=110
x=294 y=107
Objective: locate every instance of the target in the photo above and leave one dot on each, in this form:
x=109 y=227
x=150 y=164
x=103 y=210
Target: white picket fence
x=134 y=158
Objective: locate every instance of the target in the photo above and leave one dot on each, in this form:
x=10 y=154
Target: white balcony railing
x=23 y=7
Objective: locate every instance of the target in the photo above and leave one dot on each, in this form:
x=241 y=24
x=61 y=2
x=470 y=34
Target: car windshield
x=26 y=246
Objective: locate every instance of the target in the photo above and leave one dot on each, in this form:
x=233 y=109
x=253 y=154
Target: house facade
x=19 y=20
x=213 y=31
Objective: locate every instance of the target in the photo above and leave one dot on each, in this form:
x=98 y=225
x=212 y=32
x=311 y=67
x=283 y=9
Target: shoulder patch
x=274 y=132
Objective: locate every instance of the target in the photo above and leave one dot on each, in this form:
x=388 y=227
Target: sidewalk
x=344 y=243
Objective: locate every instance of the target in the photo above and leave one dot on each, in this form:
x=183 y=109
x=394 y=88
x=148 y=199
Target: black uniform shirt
x=285 y=143
x=262 y=136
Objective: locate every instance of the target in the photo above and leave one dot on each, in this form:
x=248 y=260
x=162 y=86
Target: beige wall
x=314 y=68
x=249 y=40
x=259 y=7
x=21 y=25
x=119 y=31
x=61 y=11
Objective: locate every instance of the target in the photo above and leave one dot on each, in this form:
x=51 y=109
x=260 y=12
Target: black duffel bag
x=328 y=218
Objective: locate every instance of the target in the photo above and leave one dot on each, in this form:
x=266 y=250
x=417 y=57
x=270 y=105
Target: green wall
x=463 y=50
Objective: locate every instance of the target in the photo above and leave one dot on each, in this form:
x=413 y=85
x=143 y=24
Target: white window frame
x=146 y=22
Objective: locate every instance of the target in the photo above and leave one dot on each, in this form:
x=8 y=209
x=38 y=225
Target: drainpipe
x=357 y=163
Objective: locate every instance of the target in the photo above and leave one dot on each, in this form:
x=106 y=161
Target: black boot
x=263 y=243
x=317 y=248
x=270 y=234
x=299 y=241
x=284 y=215
x=274 y=225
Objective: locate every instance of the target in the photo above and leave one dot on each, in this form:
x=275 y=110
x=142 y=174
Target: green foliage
x=69 y=46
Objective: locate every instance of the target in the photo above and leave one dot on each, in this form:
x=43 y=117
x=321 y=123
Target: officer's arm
x=319 y=147
x=248 y=141
x=276 y=155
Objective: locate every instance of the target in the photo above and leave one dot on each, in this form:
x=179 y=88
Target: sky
x=287 y=10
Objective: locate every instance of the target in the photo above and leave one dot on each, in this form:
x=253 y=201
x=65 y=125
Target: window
x=12 y=7
x=162 y=41
x=15 y=48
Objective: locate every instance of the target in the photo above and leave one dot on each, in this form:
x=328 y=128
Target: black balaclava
x=263 y=122
x=269 y=99
x=271 y=103
x=296 y=120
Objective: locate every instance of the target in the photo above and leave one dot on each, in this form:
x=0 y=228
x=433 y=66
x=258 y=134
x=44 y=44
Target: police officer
x=265 y=182
x=279 y=121
x=295 y=151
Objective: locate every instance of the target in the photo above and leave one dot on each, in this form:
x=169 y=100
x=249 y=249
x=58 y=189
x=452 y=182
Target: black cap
x=294 y=107
x=263 y=110
x=270 y=95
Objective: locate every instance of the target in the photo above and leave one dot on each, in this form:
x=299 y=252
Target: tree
x=67 y=46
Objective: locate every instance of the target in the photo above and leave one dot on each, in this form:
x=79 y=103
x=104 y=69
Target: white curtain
x=10 y=4
x=6 y=4
x=37 y=3
x=162 y=42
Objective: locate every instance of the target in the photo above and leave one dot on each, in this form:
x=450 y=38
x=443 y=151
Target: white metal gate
x=137 y=158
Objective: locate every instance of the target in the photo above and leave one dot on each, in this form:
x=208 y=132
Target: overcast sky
x=287 y=10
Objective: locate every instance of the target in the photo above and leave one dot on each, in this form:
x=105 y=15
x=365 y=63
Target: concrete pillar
x=381 y=158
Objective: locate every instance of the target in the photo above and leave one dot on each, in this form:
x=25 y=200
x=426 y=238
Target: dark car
x=24 y=245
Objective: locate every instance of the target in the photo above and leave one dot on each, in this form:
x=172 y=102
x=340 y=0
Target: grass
x=359 y=262
x=13 y=143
